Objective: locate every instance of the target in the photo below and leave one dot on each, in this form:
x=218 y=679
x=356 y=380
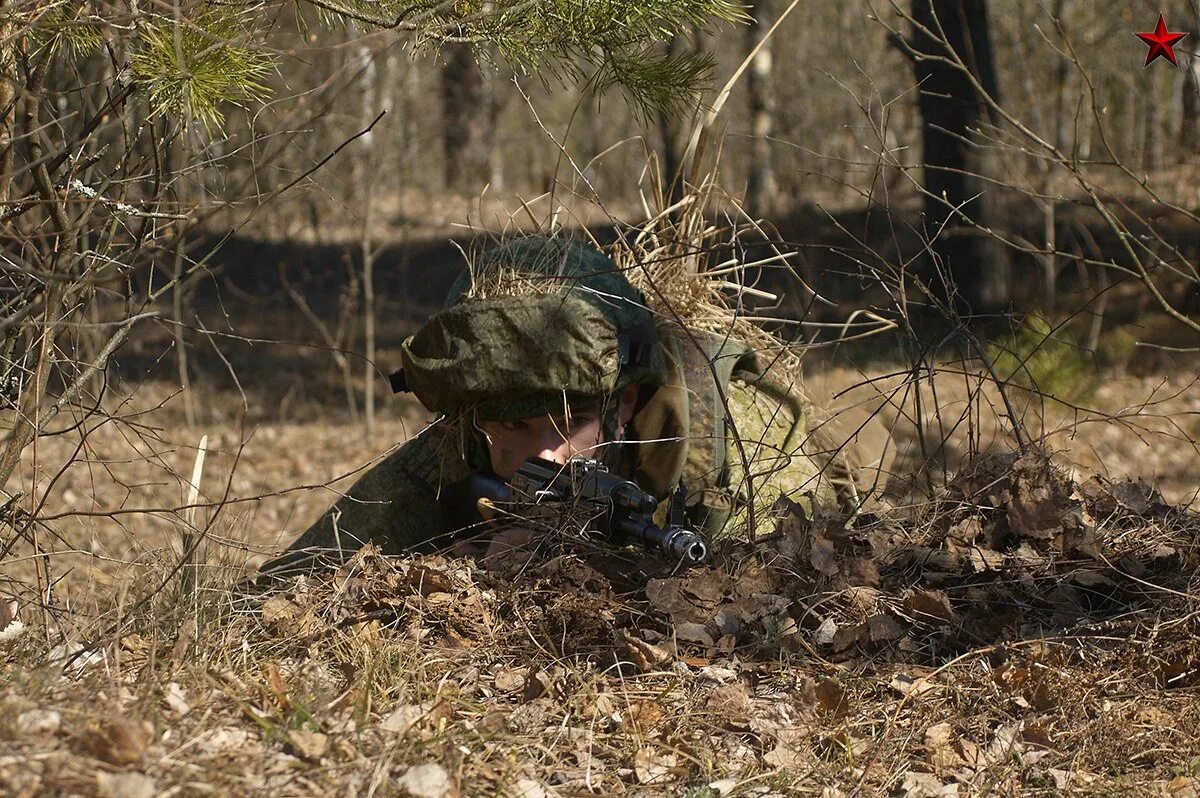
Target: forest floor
x=1027 y=626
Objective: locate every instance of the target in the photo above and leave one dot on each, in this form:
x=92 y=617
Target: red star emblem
x=1162 y=42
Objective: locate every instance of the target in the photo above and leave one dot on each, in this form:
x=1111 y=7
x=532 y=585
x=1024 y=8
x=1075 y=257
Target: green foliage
x=192 y=66
x=69 y=29
x=1045 y=359
x=568 y=39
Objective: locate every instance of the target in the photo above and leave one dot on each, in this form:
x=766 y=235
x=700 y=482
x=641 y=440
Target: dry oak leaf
x=406 y=718
x=730 y=700
x=884 y=628
x=308 y=745
x=277 y=610
x=125 y=785
x=509 y=680
x=666 y=596
x=696 y=633
x=427 y=781
x=705 y=589
x=645 y=717
x=793 y=749
x=926 y=785
x=117 y=740
x=822 y=556
x=643 y=655
x=654 y=767
x=939 y=748
x=831 y=697
x=930 y=606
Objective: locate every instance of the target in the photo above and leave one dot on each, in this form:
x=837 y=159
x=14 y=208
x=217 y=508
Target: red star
x=1161 y=42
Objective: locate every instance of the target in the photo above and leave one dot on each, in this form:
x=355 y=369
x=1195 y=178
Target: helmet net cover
x=534 y=324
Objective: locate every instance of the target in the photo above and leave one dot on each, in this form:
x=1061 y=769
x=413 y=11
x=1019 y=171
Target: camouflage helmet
x=532 y=324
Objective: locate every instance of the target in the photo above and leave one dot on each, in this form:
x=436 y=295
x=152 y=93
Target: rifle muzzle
x=681 y=544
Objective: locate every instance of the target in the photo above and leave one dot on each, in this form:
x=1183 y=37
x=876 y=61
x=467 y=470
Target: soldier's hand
x=509 y=549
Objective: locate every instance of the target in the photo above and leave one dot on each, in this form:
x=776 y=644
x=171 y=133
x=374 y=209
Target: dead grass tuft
x=1021 y=633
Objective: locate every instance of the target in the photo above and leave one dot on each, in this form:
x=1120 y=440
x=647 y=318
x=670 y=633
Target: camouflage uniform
x=569 y=339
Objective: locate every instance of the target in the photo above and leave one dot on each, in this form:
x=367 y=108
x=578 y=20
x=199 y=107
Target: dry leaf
x=723 y=787
x=730 y=700
x=38 y=721
x=125 y=785
x=862 y=571
x=428 y=581
x=822 y=556
x=654 y=767
x=644 y=656
x=939 y=748
x=926 y=785
x=826 y=633
x=176 y=699
x=528 y=788
x=275 y=682
x=404 y=719
x=696 y=633
x=666 y=596
x=1006 y=743
x=831 y=697
x=884 y=628
x=904 y=684
x=1182 y=787
x=509 y=680
x=645 y=717
x=8 y=613
x=427 y=781
x=707 y=589
x=308 y=745
x=930 y=606
x=277 y=611
x=793 y=749
x=983 y=560
x=117 y=741
x=538 y=684
x=849 y=636
x=715 y=673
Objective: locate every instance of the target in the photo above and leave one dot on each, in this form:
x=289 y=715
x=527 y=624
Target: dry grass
x=1021 y=634
x=1015 y=633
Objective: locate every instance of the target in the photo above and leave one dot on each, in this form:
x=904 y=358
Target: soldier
x=545 y=349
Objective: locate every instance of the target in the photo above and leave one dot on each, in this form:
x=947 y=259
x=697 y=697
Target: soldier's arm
x=394 y=505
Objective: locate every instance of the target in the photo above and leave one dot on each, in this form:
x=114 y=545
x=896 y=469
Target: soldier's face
x=557 y=437
x=554 y=437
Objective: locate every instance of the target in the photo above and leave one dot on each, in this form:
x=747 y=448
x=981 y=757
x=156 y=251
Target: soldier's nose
x=555 y=452
x=558 y=455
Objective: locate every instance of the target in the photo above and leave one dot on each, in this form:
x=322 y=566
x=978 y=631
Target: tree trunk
x=464 y=120
x=8 y=101
x=1189 y=115
x=950 y=108
x=760 y=178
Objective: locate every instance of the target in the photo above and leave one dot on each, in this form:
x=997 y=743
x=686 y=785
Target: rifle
x=625 y=511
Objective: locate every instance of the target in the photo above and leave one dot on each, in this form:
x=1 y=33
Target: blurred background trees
x=1006 y=155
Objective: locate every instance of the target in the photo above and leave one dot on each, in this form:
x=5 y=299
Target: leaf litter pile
x=1020 y=634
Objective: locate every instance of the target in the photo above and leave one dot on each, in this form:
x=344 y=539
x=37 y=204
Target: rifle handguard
x=629 y=508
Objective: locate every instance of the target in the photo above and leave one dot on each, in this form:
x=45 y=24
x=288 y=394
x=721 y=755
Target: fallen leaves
x=655 y=767
x=429 y=780
x=116 y=740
